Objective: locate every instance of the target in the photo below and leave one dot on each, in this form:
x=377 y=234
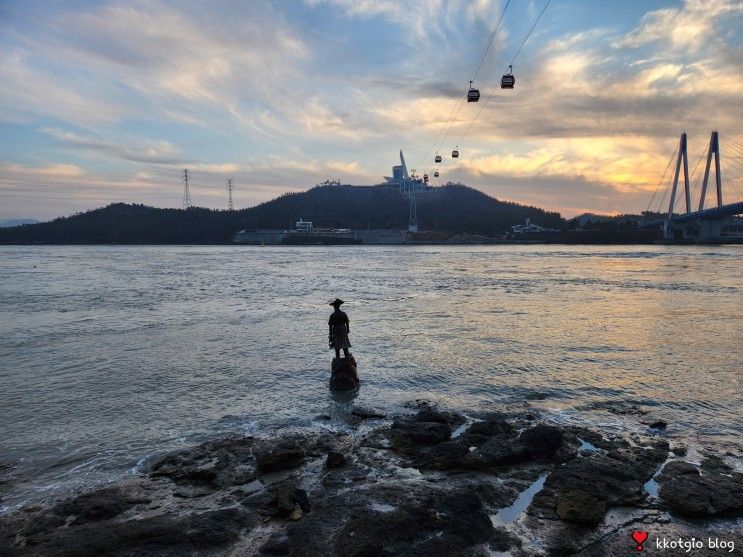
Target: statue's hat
x=336 y=302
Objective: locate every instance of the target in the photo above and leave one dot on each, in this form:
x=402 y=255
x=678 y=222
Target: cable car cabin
x=473 y=95
x=438 y=158
x=455 y=154
x=436 y=174
x=508 y=80
x=425 y=178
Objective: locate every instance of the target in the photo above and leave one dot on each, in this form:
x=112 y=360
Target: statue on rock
x=343 y=370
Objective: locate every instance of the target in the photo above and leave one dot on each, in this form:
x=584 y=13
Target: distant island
x=456 y=211
x=7 y=223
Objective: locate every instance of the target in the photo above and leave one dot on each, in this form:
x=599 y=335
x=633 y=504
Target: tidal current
x=110 y=356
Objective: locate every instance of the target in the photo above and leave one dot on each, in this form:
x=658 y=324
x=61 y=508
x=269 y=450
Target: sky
x=109 y=101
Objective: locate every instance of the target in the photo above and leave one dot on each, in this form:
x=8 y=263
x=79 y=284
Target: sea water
x=110 y=356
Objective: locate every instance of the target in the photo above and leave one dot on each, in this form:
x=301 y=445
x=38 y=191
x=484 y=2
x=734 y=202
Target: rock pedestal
x=343 y=376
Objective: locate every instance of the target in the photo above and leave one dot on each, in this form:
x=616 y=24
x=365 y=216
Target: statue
x=343 y=370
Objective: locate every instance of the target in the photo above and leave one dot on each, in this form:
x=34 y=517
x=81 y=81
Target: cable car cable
x=436 y=145
x=518 y=51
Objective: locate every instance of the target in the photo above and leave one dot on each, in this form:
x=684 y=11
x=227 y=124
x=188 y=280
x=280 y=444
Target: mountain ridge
x=457 y=209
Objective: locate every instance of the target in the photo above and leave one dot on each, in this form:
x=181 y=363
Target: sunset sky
x=109 y=101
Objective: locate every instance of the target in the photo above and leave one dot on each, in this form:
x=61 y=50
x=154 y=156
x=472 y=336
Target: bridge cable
x=660 y=182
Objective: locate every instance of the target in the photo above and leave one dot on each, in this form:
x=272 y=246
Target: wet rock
x=224 y=462
x=541 y=440
x=679 y=450
x=678 y=468
x=164 y=534
x=714 y=463
x=434 y=415
x=343 y=374
x=496 y=452
x=335 y=459
x=445 y=524
x=615 y=478
x=658 y=424
x=449 y=455
x=98 y=505
x=496 y=425
x=368 y=413
x=287 y=501
x=579 y=506
x=694 y=493
x=281 y=455
x=410 y=433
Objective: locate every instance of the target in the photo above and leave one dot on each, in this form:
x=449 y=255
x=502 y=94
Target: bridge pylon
x=682 y=156
x=714 y=148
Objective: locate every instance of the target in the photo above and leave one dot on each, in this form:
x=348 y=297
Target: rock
x=335 y=459
x=491 y=426
x=409 y=433
x=97 y=505
x=687 y=492
x=434 y=415
x=613 y=479
x=368 y=413
x=679 y=450
x=449 y=455
x=678 y=468
x=287 y=501
x=282 y=455
x=541 y=440
x=576 y=505
x=343 y=375
x=714 y=463
x=164 y=534
x=224 y=462
x=495 y=453
x=658 y=424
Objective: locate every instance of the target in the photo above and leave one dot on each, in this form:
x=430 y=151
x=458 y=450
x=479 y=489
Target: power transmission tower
x=230 y=207
x=186 y=190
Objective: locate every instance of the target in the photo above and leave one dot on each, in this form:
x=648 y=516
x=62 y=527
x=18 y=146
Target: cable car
x=436 y=174
x=455 y=154
x=438 y=158
x=473 y=95
x=508 y=80
x=425 y=178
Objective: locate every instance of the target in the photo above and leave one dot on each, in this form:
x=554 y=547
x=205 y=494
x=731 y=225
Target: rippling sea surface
x=111 y=355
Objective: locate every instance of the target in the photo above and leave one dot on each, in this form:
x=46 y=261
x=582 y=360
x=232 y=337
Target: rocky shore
x=428 y=482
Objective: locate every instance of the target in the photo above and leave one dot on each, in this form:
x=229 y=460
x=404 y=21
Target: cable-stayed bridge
x=699 y=223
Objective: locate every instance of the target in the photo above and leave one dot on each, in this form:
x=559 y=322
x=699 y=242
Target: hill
x=458 y=208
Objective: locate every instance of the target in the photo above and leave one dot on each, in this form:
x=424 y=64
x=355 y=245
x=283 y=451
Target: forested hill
x=457 y=209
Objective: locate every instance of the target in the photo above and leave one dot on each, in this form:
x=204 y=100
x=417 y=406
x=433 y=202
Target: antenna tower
x=230 y=207
x=186 y=190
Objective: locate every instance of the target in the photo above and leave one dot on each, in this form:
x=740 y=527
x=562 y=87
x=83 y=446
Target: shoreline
x=429 y=481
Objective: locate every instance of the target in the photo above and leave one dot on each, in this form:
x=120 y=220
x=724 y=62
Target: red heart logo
x=640 y=538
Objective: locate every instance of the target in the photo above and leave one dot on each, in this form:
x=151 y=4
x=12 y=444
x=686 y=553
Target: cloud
x=60 y=170
x=146 y=151
x=280 y=98
x=689 y=27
